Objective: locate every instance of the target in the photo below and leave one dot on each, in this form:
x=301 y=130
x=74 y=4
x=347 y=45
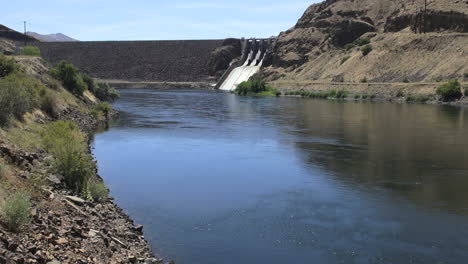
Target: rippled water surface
x=217 y=178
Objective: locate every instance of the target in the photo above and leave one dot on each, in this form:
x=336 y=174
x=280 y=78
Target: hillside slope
x=407 y=44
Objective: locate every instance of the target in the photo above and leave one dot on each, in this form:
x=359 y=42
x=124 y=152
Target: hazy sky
x=154 y=19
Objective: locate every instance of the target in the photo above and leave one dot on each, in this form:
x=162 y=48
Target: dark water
x=216 y=178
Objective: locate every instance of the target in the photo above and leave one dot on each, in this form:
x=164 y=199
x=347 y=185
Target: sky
x=89 y=20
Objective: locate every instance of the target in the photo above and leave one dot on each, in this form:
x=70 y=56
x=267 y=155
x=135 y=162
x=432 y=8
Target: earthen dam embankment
x=138 y=61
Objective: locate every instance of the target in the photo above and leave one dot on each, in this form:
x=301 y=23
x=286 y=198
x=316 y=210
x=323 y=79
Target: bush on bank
x=256 y=86
x=70 y=77
x=18 y=94
x=64 y=141
x=104 y=92
x=16 y=211
x=98 y=190
x=450 y=91
x=30 y=51
x=366 y=50
x=7 y=66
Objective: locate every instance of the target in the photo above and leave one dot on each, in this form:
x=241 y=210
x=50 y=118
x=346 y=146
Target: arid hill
x=57 y=37
x=409 y=42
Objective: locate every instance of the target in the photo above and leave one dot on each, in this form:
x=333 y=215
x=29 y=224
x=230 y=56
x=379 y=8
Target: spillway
x=240 y=74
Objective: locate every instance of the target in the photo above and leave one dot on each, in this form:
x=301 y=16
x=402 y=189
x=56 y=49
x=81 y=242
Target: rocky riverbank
x=65 y=228
x=63 y=225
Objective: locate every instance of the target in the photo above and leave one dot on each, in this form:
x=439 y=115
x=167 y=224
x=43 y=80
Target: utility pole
x=25 y=35
x=425 y=16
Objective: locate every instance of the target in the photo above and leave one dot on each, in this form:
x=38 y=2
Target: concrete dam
x=199 y=61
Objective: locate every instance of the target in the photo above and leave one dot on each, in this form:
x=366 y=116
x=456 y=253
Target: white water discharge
x=242 y=73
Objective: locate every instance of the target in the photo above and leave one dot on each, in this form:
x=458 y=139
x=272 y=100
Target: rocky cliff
x=408 y=40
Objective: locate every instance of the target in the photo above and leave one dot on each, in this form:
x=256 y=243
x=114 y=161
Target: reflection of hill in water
x=418 y=151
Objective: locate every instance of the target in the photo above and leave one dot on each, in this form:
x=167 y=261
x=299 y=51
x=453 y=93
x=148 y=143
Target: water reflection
x=217 y=178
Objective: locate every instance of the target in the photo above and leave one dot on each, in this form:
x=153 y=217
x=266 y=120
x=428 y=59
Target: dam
x=222 y=64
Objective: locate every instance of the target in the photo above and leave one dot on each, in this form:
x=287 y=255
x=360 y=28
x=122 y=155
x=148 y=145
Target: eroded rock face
x=325 y=28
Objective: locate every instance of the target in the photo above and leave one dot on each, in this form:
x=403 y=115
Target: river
x=217 y=178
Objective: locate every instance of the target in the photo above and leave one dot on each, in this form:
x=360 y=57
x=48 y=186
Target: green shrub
x=450 y=91
x=341 y=94
x=372 y=96
x=344 y=59
x=362 y=41
x=98 y=190
x=7 y=66
x=256 y=86
x=400 y=93
x=465 y=75
x=104 y=92
x=101 y=109
x=70 y=77
x=349 y=46
x=90 y=83
x=67 y=145
x=18 y=95
x=17 y=211
x=466 y=92
x=364 y=96
x=50 y=102
x=366 y=50
x=52 y=84
x=357 y=96
x=31 y=51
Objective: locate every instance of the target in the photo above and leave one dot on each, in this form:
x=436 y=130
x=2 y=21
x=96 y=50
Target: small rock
x=62 y=241
x=132 y=259
x=91 y=233
x=138 y=228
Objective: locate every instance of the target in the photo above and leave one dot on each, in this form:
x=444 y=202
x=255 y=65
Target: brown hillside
x=408 y=43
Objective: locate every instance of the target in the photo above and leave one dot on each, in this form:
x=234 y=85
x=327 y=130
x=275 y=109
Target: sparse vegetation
x=30 y=51
x=98 y=190
x=18 y=95
x=362 y=41
x=465 y=75
x=417 y=99
x=450 y=91
x=16 y=211
x=2 y=169
x=349 y=46
x=67 y=144
x=340 y=94
x=366 y=50
x=357 y=96
x=363 y=80
x=344 y=59
x=256 y=87
x=466 y=91
x=70 y=77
